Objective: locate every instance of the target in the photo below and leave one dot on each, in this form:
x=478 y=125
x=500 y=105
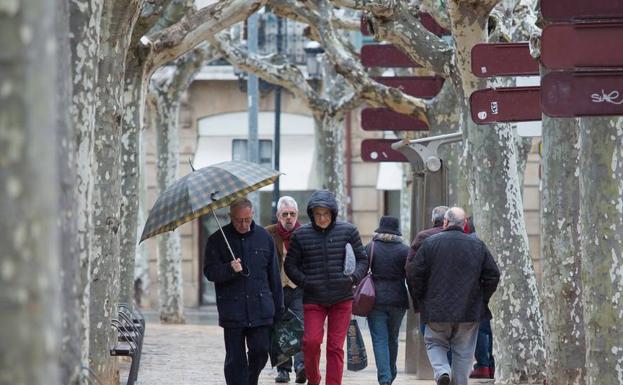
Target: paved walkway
x=193 y=354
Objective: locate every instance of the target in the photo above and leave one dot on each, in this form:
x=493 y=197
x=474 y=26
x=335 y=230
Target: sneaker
x=481 y=372
x=444 y=379
x=282 y=377
x=301 y=378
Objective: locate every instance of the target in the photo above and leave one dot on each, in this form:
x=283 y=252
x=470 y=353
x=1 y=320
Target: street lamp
x=312 y=51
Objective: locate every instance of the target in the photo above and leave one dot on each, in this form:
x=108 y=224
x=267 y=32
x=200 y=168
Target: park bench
x=130 y=327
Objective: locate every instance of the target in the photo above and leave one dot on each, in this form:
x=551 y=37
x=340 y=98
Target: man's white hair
x=287 y=201
x=455 y=216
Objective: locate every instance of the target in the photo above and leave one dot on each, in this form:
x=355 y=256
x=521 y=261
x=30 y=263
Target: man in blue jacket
x=248 y=292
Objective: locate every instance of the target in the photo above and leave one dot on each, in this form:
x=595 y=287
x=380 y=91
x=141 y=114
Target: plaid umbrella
x=205 y=190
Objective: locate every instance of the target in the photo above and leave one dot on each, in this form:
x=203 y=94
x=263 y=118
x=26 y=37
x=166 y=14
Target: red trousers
x=338 y=315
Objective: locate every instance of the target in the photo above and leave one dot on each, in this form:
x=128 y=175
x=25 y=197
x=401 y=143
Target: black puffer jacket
x=388 y=270
x=315 y=259
x=454 y=277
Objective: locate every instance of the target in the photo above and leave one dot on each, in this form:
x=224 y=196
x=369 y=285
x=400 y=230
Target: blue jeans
x=384 y=323
x=484 y=346
x=460 y=338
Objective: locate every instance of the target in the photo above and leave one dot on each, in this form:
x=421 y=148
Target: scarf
x=286 y=234
x=387 y=237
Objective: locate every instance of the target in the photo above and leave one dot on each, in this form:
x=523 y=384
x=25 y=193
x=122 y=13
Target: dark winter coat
x=315 y=259
x=454 y=278
x=244 y=301
x=388 y=270
x=410 y=265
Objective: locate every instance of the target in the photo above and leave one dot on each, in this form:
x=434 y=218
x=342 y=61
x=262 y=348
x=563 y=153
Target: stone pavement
x=193 y=354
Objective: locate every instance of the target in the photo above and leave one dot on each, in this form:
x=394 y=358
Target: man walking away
x=453 y=280
x=287 y=222
x=248 y=292
x=437 y=221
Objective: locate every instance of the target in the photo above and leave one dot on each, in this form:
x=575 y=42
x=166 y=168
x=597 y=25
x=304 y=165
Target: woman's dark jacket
x=244 y=301
x=315 y=258
x=454 y=277
x=388 y=270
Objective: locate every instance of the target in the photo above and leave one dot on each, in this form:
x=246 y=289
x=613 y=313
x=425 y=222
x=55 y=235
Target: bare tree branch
x=437 y=10
x=349 y=66
x=151 y=12
x=526 y=15
x=396 y=23
x=351 y=69
x=346 y=24
x=407 y=33
x=283 y=74
x=380 y=8
x=172 y=42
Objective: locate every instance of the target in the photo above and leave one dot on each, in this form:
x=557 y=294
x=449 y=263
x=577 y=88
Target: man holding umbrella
x=248 y=291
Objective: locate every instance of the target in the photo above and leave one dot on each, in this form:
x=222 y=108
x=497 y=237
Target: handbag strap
x=371 y=256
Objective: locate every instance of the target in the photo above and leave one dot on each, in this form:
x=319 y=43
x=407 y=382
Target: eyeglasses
x=285 y=214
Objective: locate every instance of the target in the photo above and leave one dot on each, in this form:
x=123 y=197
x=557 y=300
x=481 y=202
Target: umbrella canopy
x=205 y=190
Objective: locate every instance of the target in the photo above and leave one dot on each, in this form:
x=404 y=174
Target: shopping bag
x=357 y=359
x=287 y=338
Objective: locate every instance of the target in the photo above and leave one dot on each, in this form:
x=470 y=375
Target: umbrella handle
x=233 y=257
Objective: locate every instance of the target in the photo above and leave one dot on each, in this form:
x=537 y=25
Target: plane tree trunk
x=117 y=22
x=601 y=237
x=561 y=253
x=29 y=232
x=165 y=96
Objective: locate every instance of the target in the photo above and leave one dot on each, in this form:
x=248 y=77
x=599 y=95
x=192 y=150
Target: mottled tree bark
x=70 y=357
x=141 y=264
x=155 y=15
x=444 y=117
x=601 y=231
x=498 y=211
x=85 y=17
x=29 y=198
x=406 y=191
x=130 y=142
x=118 y=18
x=561 y=253
x=523 y=146
x=166 y=94
x=169 y=44
x=329 y=137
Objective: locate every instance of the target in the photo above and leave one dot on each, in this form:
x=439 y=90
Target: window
x=239 y=151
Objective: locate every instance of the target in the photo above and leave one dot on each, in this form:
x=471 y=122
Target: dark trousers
x=484 y=346
x=293 y=300
x=242 y=367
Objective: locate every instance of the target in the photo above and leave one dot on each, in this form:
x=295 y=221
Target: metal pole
x=253 y=143
x=277 y=141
